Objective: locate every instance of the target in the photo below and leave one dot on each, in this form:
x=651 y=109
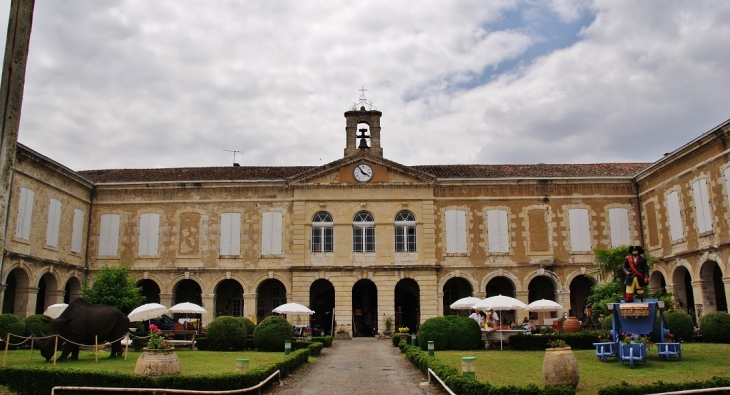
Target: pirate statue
x=637 y=273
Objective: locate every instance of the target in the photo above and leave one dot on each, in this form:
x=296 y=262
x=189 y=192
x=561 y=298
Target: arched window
x=363 y=232
x=322 y=232
x=405 y=232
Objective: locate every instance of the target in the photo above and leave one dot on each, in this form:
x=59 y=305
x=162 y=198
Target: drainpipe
x=638 y=208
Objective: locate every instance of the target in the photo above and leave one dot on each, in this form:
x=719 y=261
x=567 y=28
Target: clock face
x=363 y=172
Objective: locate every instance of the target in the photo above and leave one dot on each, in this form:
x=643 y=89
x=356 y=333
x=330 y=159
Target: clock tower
x=363 y=112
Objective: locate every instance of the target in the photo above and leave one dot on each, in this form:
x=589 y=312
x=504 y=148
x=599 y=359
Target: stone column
x=699 y=300
x=25 y=301
x=167 y=300
x=209 y=306
x=249 y=307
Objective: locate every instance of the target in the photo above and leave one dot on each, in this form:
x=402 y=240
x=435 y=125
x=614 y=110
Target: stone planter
x=154 y=362
x=343 y=335
x=559 y=367
x=404 y=337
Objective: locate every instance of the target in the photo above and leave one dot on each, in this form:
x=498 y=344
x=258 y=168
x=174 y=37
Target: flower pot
x=559 y=367
x=404 y=337
x=157 y=362
x=571 y=325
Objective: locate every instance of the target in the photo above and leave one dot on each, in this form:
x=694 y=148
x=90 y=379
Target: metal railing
x=445 y=387
x=156 y=391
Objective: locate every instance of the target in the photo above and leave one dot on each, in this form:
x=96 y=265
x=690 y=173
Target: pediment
x=342 y=172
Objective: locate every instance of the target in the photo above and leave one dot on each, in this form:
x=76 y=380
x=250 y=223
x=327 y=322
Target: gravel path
x=359 y=366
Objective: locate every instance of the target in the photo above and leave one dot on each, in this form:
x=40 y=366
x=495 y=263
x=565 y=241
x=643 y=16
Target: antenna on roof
x=234 y=156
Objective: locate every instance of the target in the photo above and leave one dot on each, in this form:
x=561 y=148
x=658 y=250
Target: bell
x=363 y=144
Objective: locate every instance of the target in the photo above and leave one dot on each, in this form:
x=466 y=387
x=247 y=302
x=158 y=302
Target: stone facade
x=242 y=240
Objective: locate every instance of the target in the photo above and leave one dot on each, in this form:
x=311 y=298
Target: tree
x=114 y=286
x=609 y=260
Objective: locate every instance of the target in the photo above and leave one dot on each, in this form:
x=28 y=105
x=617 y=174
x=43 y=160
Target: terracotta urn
x=571 y=325
x=157 y=362
x=559 y=367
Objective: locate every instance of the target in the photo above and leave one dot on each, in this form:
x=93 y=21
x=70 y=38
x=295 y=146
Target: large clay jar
x=155 y=362
x=560 y=367
x=571 y=325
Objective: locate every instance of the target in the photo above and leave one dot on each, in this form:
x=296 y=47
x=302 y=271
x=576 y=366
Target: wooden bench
x=182 y=343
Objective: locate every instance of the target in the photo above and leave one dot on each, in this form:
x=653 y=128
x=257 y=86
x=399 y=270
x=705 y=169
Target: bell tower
x=363 y=139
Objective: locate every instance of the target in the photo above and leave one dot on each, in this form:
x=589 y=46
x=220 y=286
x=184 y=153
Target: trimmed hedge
x=582 y=340
x=226 y=333
x=660 y=386
x=715 y=327
x=437 y=330
x=31 y=381
x=11 y=323
x=35 y=324
x=680 y=324
x=271 y=333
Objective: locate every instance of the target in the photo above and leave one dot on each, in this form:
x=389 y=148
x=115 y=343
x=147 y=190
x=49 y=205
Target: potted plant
x=388 y=322
x=159 y=357
x=342 y=333
x=559 y=367
x=403 y=333
x=633 y=348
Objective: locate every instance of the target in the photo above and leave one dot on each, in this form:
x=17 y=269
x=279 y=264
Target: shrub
x=715 y=327
x=464 y=334
x=11 y=323
x=271 y=333
x=250 y=326
x=226 y=333
x=680 y=324
x=36 y=325
x=437 y=330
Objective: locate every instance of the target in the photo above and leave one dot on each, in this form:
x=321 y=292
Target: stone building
x=365 y=237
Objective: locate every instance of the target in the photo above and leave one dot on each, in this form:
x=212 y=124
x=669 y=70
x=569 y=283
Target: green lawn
x=191 y=362
x=699 y=362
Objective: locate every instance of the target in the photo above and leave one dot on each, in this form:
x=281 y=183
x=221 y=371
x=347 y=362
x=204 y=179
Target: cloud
x=174 y=83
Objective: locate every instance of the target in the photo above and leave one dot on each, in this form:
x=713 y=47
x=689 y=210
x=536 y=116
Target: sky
x=182 y=83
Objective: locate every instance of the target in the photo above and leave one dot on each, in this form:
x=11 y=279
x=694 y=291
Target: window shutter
x=675 y=218
x=25 y=213
x=702 y=206
x=497 y=231
x=144 y=235
x=54 y=222
x=271 y=237
x=580 y=239
x=77 y=231
x=450 y=231
x=230 y=234
x=619 y=222
x=109 y=235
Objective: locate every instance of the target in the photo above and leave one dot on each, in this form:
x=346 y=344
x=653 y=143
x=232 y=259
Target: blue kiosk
x=636 y=319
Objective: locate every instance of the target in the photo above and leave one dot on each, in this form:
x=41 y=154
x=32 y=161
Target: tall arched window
x=405 y=232
x=322 y=232
x=363 y=232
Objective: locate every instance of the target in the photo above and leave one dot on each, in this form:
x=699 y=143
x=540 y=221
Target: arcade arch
x=408 y=303
x=322 y=301
x=365 y=308
x=270 y=294
x=713 y=289
x=229 y=298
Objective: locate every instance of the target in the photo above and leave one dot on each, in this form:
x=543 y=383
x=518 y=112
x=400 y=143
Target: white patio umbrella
x=465 y=303
x=187 y=308
x=54 y=310
x=294 y=309
x=544 y=305
x=500 y=302
x=147 y=312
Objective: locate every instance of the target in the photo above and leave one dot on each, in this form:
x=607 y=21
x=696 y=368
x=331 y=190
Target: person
x=476 y=316
x=492 y=316
x=637 y=273
x=527 y=326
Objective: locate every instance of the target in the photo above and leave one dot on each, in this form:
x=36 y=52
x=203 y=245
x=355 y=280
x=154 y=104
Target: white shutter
x=54 y=222
x=619 y=222
x=676 y=230
x=497 y=231
x=276 y=233
x=149 y=229
x=461 y=231
x=109 y=235
x=230 y=234
x=25 y=213
x=77 y=231
x=702 y=206
x=271 y=237
x=580 y=238
x=451 y=232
